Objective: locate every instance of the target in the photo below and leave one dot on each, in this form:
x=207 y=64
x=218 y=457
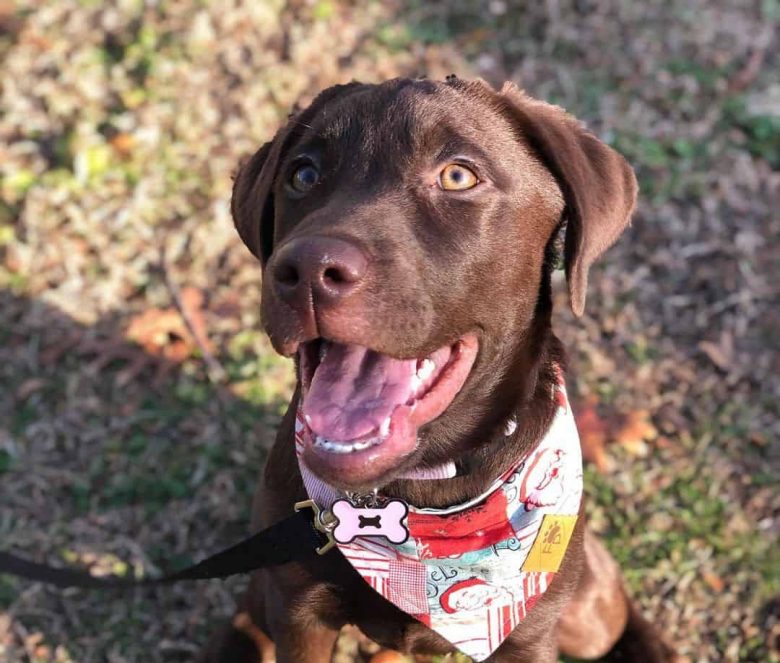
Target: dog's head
x=404 y=231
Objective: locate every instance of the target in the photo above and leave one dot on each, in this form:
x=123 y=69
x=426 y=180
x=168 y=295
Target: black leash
x=297 y=537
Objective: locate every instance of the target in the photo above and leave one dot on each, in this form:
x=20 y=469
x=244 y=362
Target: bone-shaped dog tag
x=356 y=521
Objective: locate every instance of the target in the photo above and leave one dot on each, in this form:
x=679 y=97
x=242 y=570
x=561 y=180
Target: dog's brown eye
x=305 y=178
x=457 y=178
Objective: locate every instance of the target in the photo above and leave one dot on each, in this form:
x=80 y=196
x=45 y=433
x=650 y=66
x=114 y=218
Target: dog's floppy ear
x=252 y=203
x=599 y=187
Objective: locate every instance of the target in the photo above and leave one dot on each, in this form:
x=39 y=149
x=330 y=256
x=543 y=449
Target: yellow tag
x=551 y=542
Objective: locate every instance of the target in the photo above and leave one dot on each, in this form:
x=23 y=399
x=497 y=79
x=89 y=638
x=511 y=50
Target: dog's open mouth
x=364 y=408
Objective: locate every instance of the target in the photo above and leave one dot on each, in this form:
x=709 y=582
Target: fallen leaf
x=715 y=582
x=593 y=434
x=722 y=353
x=635 y=431
x=749 y=71
x=163 y=332
x=7 y=10
x=36 y=40
x=29 y=387
x=123 y=143
x=388 y=656
x=758 y=439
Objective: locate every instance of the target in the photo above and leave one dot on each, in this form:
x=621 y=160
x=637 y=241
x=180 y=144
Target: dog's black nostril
x=334 y=275
x=287 y=275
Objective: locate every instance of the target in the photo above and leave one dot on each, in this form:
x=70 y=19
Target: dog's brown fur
x=440 y=266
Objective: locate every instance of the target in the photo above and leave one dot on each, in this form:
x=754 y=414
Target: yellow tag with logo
x=551 y=542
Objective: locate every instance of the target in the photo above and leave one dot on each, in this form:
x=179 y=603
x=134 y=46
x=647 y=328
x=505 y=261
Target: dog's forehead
x=413 y=116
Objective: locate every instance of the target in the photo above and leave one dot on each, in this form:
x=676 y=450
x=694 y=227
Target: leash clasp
x=324 y=522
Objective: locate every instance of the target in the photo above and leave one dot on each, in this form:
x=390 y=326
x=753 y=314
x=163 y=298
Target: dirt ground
x=138 y=395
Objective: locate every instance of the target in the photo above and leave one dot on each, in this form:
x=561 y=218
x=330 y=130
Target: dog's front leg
x=241 y=641
x=601 y=621
x=542 y=651
x=279 y=620
x=306 y=644
x=303 y=616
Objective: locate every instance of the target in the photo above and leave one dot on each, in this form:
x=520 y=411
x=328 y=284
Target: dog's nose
x=318 y=270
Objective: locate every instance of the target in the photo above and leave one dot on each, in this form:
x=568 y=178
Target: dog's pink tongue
x=354 y=390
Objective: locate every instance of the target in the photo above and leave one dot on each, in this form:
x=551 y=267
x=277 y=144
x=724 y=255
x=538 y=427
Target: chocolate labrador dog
x=407 y=233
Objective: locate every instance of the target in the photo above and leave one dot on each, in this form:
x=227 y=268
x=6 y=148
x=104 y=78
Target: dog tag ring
x=370 y=521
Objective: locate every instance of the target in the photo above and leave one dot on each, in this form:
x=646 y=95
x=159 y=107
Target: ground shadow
x=115 y=457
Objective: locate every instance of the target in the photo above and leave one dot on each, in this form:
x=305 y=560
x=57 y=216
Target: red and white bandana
x=473 y=571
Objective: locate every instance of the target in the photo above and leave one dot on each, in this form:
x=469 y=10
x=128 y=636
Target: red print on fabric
x=543 y=482
x=455 y=534
x=473 y=594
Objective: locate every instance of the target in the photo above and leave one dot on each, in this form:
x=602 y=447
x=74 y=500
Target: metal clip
x=324 y=522
x=372 y=500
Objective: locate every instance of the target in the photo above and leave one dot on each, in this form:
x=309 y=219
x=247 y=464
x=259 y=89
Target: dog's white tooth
x=511 y=426
x=323 y=350
x=384 y=428
x=326 y=444
x=426 y=369
x=337 y=448
x=344 y=447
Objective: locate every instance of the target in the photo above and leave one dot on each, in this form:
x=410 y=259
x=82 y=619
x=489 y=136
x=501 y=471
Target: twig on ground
x=214 y=369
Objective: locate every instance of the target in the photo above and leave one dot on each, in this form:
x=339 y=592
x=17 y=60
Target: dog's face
x=403 y=230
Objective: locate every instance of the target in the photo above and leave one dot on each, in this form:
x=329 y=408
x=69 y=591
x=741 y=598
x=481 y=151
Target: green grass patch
x=666 y=168
x=5 y=461
x=80 y=496
x=706 y=76
x=692 y=517
x=154 y=492
x=8 y=592
x=24 y=415
x=761 y=130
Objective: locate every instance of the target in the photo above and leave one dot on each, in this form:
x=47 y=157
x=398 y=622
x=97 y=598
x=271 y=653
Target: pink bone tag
x=386 y=521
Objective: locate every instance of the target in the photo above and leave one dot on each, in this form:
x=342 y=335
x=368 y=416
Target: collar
x=473 y=571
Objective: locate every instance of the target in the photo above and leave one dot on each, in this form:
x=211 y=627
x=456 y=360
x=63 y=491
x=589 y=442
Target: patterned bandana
x=473 y=571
